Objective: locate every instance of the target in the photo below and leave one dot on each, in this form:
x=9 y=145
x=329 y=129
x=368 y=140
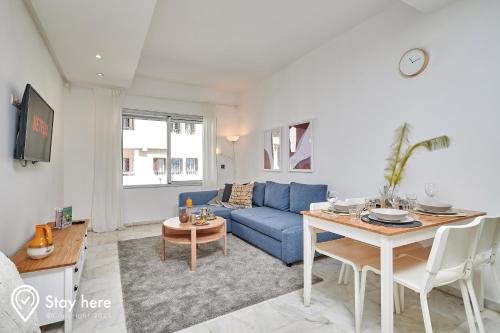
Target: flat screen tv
x=34 y=128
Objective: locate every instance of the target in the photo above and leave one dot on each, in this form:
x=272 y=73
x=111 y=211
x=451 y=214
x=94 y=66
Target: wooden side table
x=186 y=233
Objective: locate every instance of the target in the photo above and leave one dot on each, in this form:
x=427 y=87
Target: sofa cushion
x=227 y=192
x=259 y=191
x=268 y=221
x=302 y=195
x=277 y=196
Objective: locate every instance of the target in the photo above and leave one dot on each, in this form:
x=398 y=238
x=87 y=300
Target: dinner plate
x=451 y=211
x=435 y=207
x=389 y=214
x=405 y=220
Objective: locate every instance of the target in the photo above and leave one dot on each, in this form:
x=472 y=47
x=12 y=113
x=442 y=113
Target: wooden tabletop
x=428 y=221
x=67 y=244
x=174 y=224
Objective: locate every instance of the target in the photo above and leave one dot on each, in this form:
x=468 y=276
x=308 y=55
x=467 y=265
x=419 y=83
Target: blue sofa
x=274 y=223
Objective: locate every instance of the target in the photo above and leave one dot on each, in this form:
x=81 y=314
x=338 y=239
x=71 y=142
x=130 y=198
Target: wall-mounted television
x=34 y=128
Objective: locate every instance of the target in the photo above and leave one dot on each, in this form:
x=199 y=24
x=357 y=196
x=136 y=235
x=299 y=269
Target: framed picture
x=300 y=147
x=272 y=149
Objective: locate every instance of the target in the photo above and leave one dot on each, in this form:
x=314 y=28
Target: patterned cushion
x=241 y=195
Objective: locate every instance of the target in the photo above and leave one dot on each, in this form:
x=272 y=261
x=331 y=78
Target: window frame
x=169 y=119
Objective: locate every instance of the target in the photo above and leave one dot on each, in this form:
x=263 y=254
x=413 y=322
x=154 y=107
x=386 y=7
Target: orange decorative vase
x=41 y=245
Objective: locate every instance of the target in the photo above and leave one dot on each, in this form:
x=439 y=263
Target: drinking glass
x=359 y=210
x=353 y=211
x=412 y=203
x=431 y=190
x=183 y=215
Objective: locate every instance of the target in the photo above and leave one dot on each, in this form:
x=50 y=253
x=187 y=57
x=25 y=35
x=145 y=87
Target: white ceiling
x=77 y=30
x=230 y=44
x=223 y=44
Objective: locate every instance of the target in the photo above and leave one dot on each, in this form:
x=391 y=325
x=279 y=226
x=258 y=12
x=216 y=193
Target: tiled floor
x=331 y=308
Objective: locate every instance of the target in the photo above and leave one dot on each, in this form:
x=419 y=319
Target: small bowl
x=389 y=214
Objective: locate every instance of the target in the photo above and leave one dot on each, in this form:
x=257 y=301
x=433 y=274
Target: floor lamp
x=233 y=139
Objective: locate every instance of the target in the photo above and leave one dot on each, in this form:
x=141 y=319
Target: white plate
x=407 y=219
x=389 y=214
x=435 y=207
x=451 y=211
x=343 y=206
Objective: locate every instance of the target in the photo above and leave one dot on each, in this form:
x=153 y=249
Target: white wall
x=28 y=195
x=139 y=204
x=352 y=90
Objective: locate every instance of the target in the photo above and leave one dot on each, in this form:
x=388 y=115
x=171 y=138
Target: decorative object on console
x=241 y=194
x=402 y=151
x=272 y=149
x=41 y=245
x=413 y=62
x=300 y=150
x=67 y=213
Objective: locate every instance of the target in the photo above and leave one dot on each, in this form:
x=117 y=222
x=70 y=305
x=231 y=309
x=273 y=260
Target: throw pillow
x=227 y=192
x=259 y=190
x=241 y=195
x=277 y=196
x=302 y=195
x=217 y=200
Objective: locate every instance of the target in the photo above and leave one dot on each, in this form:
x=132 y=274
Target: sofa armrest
x=199 y=197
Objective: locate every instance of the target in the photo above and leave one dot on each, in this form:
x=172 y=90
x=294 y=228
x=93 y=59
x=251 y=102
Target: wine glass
x=431 y=190
x=332 y=199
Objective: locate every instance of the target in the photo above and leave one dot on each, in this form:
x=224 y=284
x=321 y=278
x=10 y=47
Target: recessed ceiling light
x=100 y=74
x=98 y=56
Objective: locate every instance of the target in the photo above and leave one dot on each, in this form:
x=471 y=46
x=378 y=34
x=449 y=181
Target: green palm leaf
x=437 y=143
x=400 y=140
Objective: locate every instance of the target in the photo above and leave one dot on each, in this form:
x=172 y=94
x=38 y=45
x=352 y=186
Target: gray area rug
x=165 y=296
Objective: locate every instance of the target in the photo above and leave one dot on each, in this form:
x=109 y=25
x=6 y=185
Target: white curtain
x=209 y=147
x=106 y=196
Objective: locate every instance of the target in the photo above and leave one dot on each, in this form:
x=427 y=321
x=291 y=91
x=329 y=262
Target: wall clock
x=413 y=62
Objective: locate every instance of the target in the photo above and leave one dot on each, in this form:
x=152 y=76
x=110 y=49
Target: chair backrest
x=319 y=205
x=454 y=247
x=490 y=237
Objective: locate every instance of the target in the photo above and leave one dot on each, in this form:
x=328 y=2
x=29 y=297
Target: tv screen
x=34 y=135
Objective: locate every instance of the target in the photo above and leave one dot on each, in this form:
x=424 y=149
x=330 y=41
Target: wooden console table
x=59 y=274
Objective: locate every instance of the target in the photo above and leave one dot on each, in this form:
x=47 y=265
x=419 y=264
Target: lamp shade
x=233 y=138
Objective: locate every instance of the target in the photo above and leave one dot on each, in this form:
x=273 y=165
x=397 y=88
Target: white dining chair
x=486 y=254
x=451 y=259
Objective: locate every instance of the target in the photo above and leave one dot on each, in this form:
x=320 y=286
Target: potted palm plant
x=402 y=151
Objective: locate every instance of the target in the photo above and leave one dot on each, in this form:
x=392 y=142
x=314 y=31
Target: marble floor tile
x=331 y=308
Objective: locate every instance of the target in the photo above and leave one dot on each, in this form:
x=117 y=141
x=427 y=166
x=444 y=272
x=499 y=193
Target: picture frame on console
x=300 y=147
x=272 y=149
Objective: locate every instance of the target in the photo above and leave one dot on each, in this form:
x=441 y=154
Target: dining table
x=385 y=237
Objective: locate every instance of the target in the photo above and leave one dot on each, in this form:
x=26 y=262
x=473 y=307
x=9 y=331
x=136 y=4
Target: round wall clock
x=413 y=62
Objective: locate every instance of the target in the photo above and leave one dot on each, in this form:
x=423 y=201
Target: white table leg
x=386 y=301
x=307 y=263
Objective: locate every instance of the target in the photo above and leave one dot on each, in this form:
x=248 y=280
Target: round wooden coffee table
x=175 y=232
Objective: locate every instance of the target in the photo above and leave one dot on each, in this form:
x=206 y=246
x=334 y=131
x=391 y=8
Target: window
x=190 y=129
x=176 y=127
x=162 y=149
x=191 y=166
x=128 y=123
x=177 y=166
x=159 y=165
